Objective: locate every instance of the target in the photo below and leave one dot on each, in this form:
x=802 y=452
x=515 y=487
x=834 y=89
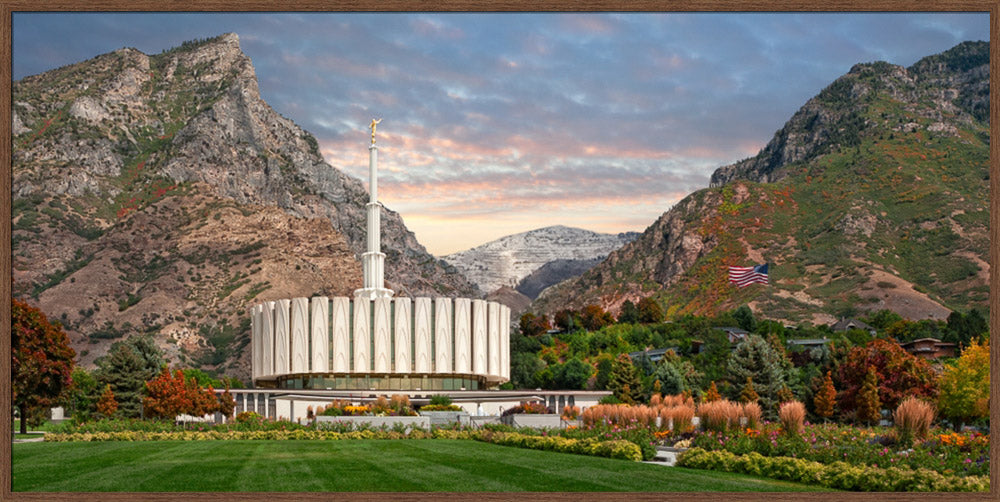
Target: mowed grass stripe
x=345 y=466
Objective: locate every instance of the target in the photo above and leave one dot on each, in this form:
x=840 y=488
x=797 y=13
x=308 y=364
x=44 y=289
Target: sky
x=494 y=124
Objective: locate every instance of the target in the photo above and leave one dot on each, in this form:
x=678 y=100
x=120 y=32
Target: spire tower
x=373 y=261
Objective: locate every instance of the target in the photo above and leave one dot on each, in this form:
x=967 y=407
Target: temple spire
x=373 y=261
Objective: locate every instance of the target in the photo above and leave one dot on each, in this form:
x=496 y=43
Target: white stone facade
x=384 y=337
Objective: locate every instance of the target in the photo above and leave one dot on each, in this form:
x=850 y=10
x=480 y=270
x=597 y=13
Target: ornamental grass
x=792 y=416
x=752 y=412
x=682 y=418
x=719 y=415
x=913 y=419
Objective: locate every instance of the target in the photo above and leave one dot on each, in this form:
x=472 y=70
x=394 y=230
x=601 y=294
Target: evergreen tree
x=671 y=380
x=785 y=395
x=127 y=367
x=605 y=363
x=869 y=407
x=625 y=381
x=748 y=395
x=745 y=319
x=756 y=358
x=826 y=398
x=629 y=313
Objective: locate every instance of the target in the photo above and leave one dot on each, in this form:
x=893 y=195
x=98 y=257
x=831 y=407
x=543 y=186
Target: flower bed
x=947 y=453
x=838 y=475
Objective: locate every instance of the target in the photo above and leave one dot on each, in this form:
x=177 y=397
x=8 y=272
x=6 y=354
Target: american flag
x=745 y=276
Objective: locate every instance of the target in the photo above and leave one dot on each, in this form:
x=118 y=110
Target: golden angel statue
x=373 y=124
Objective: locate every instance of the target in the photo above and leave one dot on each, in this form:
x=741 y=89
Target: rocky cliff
x=160 y=193
x=508 y=260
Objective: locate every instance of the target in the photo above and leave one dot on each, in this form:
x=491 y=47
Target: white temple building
x=307 y=351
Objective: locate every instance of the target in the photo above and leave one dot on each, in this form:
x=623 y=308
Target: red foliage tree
x=170 y=394
x=532 y=325
x=825 y=398
x=41 y=360
x=226 y=403
x=899 y=374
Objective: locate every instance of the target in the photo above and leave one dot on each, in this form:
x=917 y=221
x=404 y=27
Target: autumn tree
x=226 y=403
x=107 y=405
x=899 y=374
x=825 y=398
x=593 y=318
x=748 y=395
x=964 y=386
x=171 y=394
x=567 y=320
x=869 y=406
x=650 y=310
x=41 y=360
x=712 y=394
x=532 y=325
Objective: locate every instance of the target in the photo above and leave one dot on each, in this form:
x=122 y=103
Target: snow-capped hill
x=505 y=261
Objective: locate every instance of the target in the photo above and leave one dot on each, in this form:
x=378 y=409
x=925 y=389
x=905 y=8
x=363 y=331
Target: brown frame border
x=7 y=7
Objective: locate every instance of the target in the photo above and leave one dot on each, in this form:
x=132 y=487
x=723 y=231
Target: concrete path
x=664 y=456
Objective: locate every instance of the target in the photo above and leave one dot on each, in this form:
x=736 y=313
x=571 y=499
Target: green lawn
x=356 y=465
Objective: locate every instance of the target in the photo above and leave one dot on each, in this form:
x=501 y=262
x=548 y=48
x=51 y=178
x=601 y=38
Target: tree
x=127 y=367
x=869 y=407
x=532 y=325
x=567 y=320
x=964 y=386
x=107 y=405
x=962 y=329
x=882 y=319
x=629 y=313
x=754 y=357
x=825 y=398
x=572 y=374
x=670 y=377
x=748 y=395
x=83 y=394
x=625 y=383
x=226 y=403
x=593 y=318
x=899 y=374
x=171 y=394
x=650 y=311
x=41 y=360
x=744 y=318
x=712 y=394
x=523 y=367
x=605 y=364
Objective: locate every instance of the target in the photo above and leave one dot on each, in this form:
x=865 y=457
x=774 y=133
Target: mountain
x=161 y=194
x=874 y=195
x=508 y=260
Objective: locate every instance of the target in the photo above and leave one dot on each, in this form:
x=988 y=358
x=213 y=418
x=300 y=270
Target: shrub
x=532 y=408
x=913 y=419
x=440 y=407
x=244 y=417
x=792 y=415
x=440 y=400
x=570 y=412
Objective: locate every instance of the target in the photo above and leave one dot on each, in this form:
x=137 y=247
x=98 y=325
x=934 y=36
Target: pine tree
x=826 y=398
x=869 y=407
x=748 y=395
x=712 y=394
x=754 y=357
x=785 y=395
x=625 y=382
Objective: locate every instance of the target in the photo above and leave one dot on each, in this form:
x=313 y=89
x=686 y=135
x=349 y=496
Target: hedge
x=619 y=448
x=838 y=475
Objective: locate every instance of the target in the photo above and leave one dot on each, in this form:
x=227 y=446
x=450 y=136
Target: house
x=654 y=355
x=735 y=335
x=808 y=343
x=929 y=348
x=848 y=324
